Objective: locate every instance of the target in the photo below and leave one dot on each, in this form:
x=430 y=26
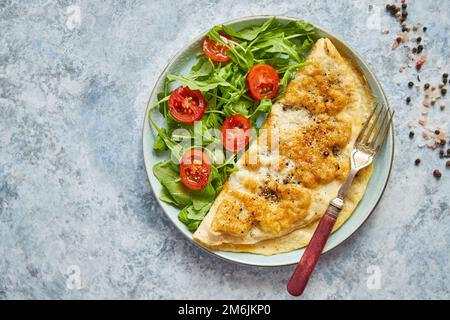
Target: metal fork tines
x=367 y=144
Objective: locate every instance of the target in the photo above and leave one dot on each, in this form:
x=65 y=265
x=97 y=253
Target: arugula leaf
x=166 y=197
x=159 y=144
x=203 y=68
x=249 y=33
x=202 y=197
x=281 y=45
x=238 y=52
x=197 y=84
x=264 y=106
x=191 y=224
x=240 y=107
x=168 y=175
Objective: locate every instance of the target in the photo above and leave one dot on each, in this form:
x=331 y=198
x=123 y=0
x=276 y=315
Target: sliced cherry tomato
x=186 y=105
x=215 y=50
x=263 y=82
x=195 y=168
x=236 y=132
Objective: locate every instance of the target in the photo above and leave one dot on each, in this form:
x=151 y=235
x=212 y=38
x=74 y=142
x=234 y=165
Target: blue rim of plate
x=383 y=98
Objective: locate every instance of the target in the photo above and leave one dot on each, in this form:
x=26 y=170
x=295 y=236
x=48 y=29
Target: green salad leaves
x=223 y=85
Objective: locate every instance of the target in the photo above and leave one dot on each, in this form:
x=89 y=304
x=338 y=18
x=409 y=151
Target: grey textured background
x=74 y=197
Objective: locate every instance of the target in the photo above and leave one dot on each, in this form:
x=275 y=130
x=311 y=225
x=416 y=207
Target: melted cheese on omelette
x=289 y=174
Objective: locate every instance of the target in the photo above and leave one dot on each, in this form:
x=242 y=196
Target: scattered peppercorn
x=443 y=91
x=417 y=162
x=326 y=153
x=399 y=39
x=436 y=132
x=393 y=9
x=408 y=100
x=404 y=6
x=419 y=48
x=425 y=29
x=445 y=76
x=404 y=14
x=442 y=107
x=420 y=62
x=441 y=154
x=448 y=152
x=443 y=142
x=414 y=50
x=447 y=164
x=437 y=173
x=411 y=134
x=410 y=84
x=419 y=39
x=427 y=86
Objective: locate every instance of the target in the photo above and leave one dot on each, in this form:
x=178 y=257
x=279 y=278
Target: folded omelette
x=288 y=175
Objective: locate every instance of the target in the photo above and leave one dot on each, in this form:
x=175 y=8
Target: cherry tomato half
x=263 y=82
x=216 y=51
x=195 y=168
x=236 y=132
x=186 y=105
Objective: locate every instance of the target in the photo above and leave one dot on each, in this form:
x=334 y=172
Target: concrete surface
x=77 y=216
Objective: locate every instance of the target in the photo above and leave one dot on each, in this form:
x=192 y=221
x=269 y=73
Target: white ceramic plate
x=182 y=63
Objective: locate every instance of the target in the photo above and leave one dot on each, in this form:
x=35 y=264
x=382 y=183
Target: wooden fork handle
x=305 y=267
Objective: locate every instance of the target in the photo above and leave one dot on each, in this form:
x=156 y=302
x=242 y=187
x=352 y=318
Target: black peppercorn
x=408 y=100
x=417 y=162
x=388 y=7
x=404 y=6
x=419 y=48
x=414 y=50
x=443 y=91
x=448 y=152
x=445 y=76
x=436 y=132
x=399 y=39
x=410 y=84
x=411 y=135
x=326 y=153
x=447 y=164
x=404 y=14
x=426 y=86
x=441 y=154
x=437 y=173
x=425 y=29
x=419 y=39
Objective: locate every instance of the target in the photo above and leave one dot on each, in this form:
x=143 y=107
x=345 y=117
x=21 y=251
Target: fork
x=367 y=144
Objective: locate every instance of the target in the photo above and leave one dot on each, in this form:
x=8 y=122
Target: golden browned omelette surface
x=294 y=168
